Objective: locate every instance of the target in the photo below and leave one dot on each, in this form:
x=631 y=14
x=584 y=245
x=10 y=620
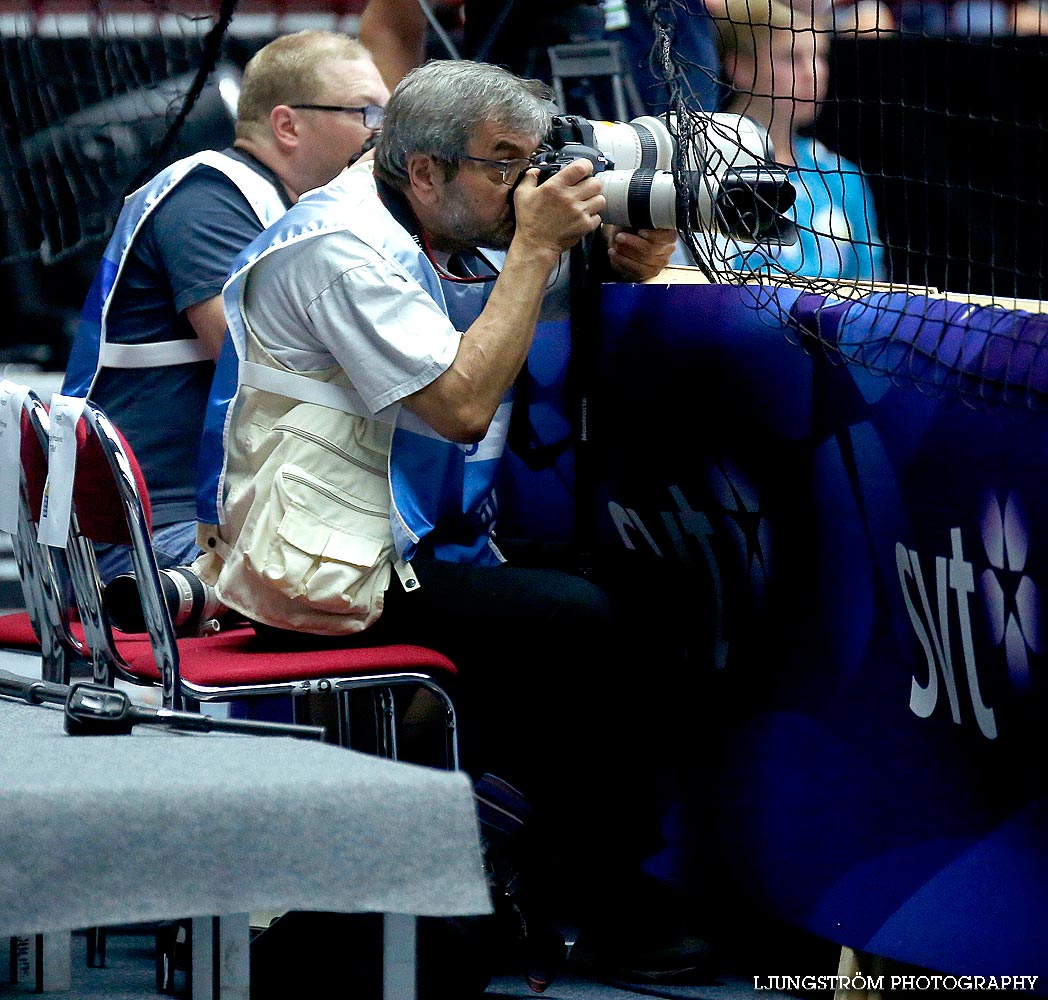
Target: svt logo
x=953 y=574
x=1010 y=599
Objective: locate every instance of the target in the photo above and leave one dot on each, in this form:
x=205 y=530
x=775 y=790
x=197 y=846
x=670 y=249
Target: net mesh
x=97 y=96
x=916 y=153
x=919 y=177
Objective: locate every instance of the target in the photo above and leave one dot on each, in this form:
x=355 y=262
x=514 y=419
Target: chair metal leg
x=387 y=724
x=170 y=939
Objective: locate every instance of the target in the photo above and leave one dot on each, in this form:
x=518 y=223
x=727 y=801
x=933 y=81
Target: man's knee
x=579 y=599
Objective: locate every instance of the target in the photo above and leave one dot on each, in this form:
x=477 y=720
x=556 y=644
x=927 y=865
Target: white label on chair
x=61 y=470
x=615 y=15
x=12 y=396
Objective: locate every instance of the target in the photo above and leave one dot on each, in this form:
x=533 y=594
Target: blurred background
x=938 y=104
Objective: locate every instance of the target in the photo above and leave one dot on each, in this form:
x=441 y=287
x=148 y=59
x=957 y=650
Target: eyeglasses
x=509 y=169
x=373 y=114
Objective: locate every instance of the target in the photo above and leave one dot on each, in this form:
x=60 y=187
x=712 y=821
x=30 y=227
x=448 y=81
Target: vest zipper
x=328 y=446
x=333 y=496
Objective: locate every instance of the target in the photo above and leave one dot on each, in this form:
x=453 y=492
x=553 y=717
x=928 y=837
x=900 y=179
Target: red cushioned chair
x=110 y=504
x=45 y=626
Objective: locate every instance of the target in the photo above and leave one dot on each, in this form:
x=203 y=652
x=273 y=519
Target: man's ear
x=426 y=177
x=284 y=124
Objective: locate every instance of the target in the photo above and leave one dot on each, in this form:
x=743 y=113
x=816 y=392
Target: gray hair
x=436 y=108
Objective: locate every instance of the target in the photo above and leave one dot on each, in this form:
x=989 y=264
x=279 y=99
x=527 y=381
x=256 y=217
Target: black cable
x=438 y=28
x=209 y=59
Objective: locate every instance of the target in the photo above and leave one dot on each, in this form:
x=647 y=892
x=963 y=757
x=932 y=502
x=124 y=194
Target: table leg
x=398 y=957
x=221 y=957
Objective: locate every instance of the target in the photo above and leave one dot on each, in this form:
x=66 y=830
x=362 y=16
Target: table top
x=104 y=830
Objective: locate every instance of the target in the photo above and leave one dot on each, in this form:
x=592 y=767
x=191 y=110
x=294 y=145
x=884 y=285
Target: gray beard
x=464 y=232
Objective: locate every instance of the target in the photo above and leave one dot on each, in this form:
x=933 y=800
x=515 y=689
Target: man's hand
x=551 y=218
x=640 y=255
x=556 y=214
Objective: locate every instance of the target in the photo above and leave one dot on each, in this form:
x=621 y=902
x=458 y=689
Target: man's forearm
x=461 y=403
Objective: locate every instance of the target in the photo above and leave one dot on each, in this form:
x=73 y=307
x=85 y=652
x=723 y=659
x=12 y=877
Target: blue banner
x=863 y=572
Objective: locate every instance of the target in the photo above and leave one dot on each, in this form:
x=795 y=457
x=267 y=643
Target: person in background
x=863 y=16
x=516 y=35
x=152 y=325
x=773 y=58
x=970 y=18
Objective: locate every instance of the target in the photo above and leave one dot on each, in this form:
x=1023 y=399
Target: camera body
x=730 y=183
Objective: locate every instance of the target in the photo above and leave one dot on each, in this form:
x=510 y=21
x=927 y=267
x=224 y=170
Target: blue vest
x=440 y=490
x=91 y=351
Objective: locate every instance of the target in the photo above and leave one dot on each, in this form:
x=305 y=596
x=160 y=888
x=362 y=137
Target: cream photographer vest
x=426 y=482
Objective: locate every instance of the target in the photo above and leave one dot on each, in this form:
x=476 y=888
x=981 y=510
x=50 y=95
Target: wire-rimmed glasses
x=509 y=169
x=372 y=113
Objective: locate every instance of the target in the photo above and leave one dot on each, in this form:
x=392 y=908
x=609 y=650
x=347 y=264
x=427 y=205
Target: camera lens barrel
x=189 y=600
x=732 y=185
x=643 y=143
x=640 y=199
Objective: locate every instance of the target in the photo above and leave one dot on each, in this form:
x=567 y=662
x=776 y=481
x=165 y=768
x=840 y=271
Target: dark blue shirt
x=180 y=257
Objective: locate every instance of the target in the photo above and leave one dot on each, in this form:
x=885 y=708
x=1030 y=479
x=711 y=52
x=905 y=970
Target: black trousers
x=552 y=696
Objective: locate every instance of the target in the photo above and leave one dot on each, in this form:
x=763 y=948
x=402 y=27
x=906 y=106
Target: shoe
x=533 y=944
x=538 y=948
x=644 y=934
x=679 y=960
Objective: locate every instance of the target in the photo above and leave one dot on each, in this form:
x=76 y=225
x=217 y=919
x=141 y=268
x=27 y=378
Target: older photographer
x=380 y=338
x=152 y=324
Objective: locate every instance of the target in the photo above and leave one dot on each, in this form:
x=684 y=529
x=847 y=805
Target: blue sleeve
x=197 y=232
x=862 y=220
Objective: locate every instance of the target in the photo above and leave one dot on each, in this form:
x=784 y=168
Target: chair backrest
x=43 y=572
x=111 y=504
x=29 y=556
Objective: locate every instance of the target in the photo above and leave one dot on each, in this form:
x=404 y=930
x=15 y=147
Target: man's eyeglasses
x=373 y=114
x=509 y=169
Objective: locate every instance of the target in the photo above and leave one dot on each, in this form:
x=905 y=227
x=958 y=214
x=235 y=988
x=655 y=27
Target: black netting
x=94 y=102
x=919 y=173
x=921 y=166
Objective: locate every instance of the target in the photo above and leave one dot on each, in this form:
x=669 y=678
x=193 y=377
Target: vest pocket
x=325 y=547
